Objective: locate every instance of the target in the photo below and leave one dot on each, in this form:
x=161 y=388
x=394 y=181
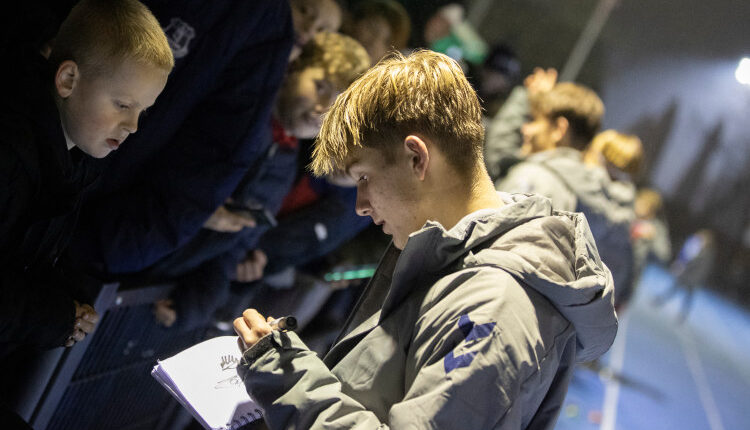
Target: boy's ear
x=561 y=128
x=66 y=78
x=419 y=155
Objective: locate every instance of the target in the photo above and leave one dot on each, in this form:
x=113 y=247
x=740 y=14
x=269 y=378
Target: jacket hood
x=552 y=252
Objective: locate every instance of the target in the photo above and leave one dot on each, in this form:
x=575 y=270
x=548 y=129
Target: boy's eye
x=121 y=105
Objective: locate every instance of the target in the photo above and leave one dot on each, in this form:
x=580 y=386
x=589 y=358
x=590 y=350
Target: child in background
x=311 y=17
x=379 y=25
x=327 y=65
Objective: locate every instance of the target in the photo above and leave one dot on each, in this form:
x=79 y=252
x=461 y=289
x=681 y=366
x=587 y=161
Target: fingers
x=252 y=268
x=251 y=326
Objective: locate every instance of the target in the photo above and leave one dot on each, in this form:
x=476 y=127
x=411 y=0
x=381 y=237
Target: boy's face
x=311 y=17
x=101 y=111
x=539 y=134
x=304 y=96
x=387 y=193
x=374 y=33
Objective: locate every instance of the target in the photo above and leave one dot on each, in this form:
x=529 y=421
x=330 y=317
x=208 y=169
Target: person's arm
x=503 y=138
x=470 y=354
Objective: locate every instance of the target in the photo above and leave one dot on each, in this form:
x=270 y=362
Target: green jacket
x=477 y=327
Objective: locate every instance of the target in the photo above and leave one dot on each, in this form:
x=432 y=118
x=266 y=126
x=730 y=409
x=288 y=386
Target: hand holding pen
x=252 y=326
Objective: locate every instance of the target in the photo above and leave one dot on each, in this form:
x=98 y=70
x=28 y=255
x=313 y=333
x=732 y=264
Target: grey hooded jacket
x=561 y=175
x=477 y=327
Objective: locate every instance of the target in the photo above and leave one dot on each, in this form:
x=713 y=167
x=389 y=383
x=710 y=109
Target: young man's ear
x=419 y=156
x=66 y=78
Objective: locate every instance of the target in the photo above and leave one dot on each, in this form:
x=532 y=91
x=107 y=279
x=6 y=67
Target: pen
x=284 y=323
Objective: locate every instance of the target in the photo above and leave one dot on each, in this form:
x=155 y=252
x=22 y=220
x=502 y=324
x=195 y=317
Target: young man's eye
x=122 y=106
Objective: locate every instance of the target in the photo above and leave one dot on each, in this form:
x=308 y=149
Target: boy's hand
x=226 y=221
x=164 y=312
x=251 y=326
x=86 y=319
x=251 y=269
x=540 y=81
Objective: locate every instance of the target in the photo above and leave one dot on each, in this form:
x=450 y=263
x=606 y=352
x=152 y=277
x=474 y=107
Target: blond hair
x=623 y=151
x=342 y=58
x=99 y=34
x=425 y=93
x=579 y=105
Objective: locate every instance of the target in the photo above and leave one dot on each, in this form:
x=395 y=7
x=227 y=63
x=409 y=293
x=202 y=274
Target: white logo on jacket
x=179 y=34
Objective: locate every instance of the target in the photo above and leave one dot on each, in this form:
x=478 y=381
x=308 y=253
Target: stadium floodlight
x=743 y=71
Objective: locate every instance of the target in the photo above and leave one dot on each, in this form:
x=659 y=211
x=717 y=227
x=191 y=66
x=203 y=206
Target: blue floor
x=661 y=374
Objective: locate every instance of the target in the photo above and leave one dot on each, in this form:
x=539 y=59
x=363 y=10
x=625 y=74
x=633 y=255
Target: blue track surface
x=667 y=375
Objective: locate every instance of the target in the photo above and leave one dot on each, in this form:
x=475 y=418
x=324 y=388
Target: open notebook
x=204 y=379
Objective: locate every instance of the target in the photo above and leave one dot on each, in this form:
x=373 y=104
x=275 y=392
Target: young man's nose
x=362 y=207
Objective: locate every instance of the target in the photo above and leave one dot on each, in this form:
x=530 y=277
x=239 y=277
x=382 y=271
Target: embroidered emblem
x=471 y=332
x=179 y=34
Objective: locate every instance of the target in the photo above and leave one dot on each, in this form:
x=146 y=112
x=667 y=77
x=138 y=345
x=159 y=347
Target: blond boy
x=480 y=307
x=109 y=62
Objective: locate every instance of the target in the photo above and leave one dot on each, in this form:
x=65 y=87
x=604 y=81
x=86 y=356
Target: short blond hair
x=624 y=151
x=425 y=93
x=99 y=34
x=342 y=58
x=576 y=103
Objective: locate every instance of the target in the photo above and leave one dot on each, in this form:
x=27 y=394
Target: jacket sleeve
x=472 y=351
x=296 y=389
x=128 y=230
x=504 y=139
x=34 y=310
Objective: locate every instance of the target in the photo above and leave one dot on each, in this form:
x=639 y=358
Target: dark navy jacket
x=199 y=139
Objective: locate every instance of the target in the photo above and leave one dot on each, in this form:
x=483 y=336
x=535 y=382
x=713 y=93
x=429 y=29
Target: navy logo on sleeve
x=471 y=332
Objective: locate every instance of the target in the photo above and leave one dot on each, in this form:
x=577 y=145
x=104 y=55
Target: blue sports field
x=661 y=374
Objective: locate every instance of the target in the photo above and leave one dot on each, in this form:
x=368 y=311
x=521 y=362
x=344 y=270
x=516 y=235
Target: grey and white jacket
x=477 y=327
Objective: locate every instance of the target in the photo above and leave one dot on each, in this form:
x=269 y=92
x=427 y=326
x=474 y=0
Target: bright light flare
x=743 y=71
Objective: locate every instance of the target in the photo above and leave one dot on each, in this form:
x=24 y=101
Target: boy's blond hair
x=99 y=34
x=425 y=94
x=342 y=58
x=623 y=151
x=576 y=103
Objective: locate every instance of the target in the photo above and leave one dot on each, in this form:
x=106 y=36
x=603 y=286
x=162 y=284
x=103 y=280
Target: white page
x=205 y=376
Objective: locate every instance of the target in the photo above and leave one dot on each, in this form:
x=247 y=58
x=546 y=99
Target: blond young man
x=109 y=62
x=481 y=305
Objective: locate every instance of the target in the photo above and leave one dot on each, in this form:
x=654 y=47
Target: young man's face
x=304 y=96
x=102 y=111
x=387 y=193
x=539 y=134
x=311 y=17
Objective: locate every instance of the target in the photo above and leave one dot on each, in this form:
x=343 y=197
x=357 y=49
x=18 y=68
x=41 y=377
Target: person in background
x=691 y=269
x=205 y=266
x=482 y=302
x=109 y=62
x=379 y=25
x=621 y=156
x=311 y=17
x=565 y=117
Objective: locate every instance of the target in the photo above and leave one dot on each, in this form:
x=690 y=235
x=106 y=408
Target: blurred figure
x=379 y=25
x=311 y=17
x=205 y=266
x=621 y=156
x=447 y=31
x=691 y=269
x=565 y=117
x=496 y=77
